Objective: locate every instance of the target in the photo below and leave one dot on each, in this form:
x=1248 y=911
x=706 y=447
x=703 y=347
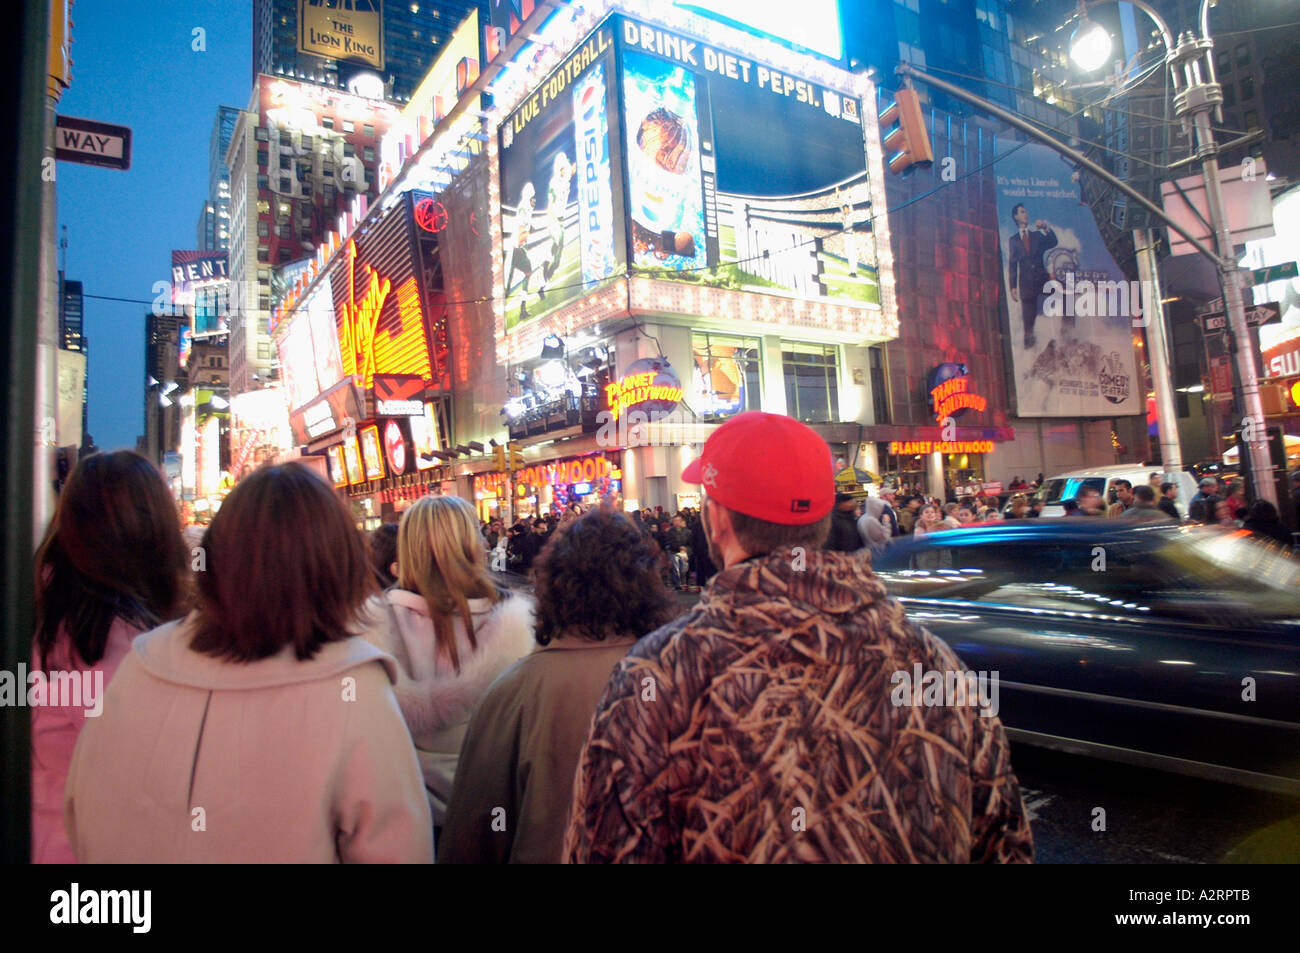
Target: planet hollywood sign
x=950 y=393
x=908 y=447
x=649 y=385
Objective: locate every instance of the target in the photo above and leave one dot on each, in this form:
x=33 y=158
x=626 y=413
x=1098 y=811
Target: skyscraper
x=71 y=316
x=411 y=34
x=300 y=154
x=214 y=219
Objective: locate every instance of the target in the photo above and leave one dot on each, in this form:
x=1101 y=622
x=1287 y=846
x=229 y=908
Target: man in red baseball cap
x=761 y=726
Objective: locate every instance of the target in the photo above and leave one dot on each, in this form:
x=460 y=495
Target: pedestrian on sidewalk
x=767 y=724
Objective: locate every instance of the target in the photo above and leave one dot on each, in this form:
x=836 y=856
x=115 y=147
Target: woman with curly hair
x=598 y=590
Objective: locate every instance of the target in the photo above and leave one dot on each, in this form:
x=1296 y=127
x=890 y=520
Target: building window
x=348 y=150
x=262 y=134
x=284 y=231
x=263 y=229
x=327 y=122
x=285 y=254
x=1223 y=62
x=263 y=157
x=812 y=375
x=1243 y=54
x=1247 y=87
x=264 y=352
x=348 y=126
x=879 y=392
x=725 y=379
x=286 y=185
x=368 y=153
x=263 y=183
x=368 y=130
x=1229 y=94
x=1252 y=120
x=284 y=161
x=263 y=254
x=264 y=302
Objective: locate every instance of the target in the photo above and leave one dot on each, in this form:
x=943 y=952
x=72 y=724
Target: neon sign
x=908 y=447
x=361 y=319
x=649 y=385
x=950 y=394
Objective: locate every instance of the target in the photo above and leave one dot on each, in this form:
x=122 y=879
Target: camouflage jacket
x=760 y=727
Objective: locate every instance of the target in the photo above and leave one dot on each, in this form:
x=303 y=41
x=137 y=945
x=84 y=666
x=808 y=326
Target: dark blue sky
x=133 y=64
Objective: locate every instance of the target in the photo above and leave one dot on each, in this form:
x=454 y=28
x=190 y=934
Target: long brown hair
x=441 y=555
x=285 y=565
x=113 y=550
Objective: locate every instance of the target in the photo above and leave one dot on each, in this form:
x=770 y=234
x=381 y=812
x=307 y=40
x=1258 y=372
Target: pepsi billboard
x=562 y=238
x=741 y=175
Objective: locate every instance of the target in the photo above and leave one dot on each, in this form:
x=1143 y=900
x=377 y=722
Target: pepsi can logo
x=800 y=506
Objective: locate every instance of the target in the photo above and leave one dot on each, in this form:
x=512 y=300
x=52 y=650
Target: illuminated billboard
x=813 y=27
x=309 y=349
x=742 y=176
x=1070 y=310
x=562 y=238
x=342 y=30
x=387 y=315
x=192 y=270
x=455 y=69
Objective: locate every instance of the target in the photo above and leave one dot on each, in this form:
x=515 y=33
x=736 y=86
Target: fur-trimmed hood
x=432 y=694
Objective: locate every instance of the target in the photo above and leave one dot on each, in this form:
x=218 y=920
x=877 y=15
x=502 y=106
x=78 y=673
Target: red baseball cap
x=767 y=466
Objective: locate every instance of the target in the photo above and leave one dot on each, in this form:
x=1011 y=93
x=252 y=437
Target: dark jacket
x=762 y=727
x=1169 y=508
x=1201 y=508
x=1025 y=267
x=700 y=559
x=843 y=537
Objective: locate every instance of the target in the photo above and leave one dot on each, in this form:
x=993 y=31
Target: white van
x=1066 y=486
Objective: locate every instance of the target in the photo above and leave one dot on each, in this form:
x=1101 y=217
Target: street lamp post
x=1196 y=95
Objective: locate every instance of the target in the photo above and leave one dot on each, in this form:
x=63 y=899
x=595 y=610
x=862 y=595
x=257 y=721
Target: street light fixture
x=1089 y=45
x=1197 y=94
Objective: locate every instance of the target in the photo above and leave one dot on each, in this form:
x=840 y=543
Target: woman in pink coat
x=112 y=565
x=258 y=729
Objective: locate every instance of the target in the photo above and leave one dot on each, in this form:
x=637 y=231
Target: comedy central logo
x=1113 y=378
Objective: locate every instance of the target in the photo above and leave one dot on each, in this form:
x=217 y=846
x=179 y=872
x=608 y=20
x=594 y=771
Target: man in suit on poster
x=1025 y=271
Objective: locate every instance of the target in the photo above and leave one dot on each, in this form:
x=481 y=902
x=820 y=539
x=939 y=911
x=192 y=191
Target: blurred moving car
x=1171 y=647
x=1066 y=486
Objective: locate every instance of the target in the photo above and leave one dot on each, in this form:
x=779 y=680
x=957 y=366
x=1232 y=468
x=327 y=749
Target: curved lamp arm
x=1165 y=33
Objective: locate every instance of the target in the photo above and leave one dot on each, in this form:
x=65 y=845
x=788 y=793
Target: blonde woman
x=451 y=628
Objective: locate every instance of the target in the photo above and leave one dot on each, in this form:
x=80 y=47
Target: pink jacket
x=436 y=700
x=55 y=730
x=198 y=760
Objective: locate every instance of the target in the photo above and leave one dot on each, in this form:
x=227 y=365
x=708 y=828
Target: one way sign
x=92 y=143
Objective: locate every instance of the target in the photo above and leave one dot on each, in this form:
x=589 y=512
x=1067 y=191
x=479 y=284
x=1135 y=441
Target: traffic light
x=499 y=459
x=907 y=144
x=60 y=48
x=516 y=457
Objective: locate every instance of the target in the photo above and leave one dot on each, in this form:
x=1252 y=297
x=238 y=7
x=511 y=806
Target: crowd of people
x=872 y=522
x=679 y=538
x=284 y=689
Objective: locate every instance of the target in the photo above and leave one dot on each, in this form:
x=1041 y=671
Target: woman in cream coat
x=259 y=729
x=451 y=629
